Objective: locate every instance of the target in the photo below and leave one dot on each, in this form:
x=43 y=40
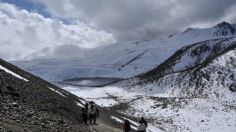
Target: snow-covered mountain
x=123 y=60
x=193 y=90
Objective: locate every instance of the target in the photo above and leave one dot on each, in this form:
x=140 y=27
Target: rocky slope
x=29 y=103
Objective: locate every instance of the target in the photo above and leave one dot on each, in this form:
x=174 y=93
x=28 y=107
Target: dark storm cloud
x=143 y=19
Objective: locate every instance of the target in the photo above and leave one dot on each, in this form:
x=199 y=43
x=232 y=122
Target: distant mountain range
x=124 y=60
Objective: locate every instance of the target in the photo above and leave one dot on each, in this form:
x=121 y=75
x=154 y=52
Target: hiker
x=86 y=106
x=141 y=127
x=127 y=127
x=144 y=121
x=92 y=117
x=85 y=116
x=93 y=112
x=97 y=112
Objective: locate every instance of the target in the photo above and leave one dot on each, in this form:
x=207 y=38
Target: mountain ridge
x=115 y=60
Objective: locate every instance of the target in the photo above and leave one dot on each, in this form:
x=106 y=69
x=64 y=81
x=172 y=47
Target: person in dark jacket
x=86 y=106
x=144 y=121
x=92 y=117
x=84 y=116
x=127 y=127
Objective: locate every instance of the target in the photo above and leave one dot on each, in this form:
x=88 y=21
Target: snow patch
x=117 y=119
x=12 y=73
x=79 y=104
x=82 y=101
x=102 y=96
x=57 y=92
x=121 y=121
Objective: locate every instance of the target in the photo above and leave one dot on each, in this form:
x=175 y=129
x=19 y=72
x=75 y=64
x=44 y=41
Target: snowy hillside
x=123 y=60
x=193 y=68
x=185 y=104
x=194 y=90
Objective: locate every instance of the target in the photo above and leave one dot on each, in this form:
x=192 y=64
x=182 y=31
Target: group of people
x=141 y=127
x=89 y=112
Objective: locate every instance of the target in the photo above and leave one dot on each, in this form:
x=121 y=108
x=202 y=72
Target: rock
x=15 y=104
x=232 y=87
x=9 y=88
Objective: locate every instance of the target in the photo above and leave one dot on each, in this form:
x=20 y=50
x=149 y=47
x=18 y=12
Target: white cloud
x=26 y=33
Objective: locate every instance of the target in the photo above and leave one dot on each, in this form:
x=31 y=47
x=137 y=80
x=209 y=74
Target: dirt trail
x=100 y=127
x=103 y=128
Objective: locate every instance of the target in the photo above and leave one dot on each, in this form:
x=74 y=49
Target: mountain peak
x=224 y=29
x=188 y=30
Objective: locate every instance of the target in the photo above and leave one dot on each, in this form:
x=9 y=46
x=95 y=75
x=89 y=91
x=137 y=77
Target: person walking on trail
x=92 y=117
x=127 y=127
x=141 y=127
x=84 y=116
x=86 y=106
x=93 y=112
x=144 y=121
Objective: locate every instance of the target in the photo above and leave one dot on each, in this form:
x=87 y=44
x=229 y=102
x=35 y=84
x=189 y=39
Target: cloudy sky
x=32 y=29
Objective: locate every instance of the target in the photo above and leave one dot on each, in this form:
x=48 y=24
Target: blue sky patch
x=29 y=6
